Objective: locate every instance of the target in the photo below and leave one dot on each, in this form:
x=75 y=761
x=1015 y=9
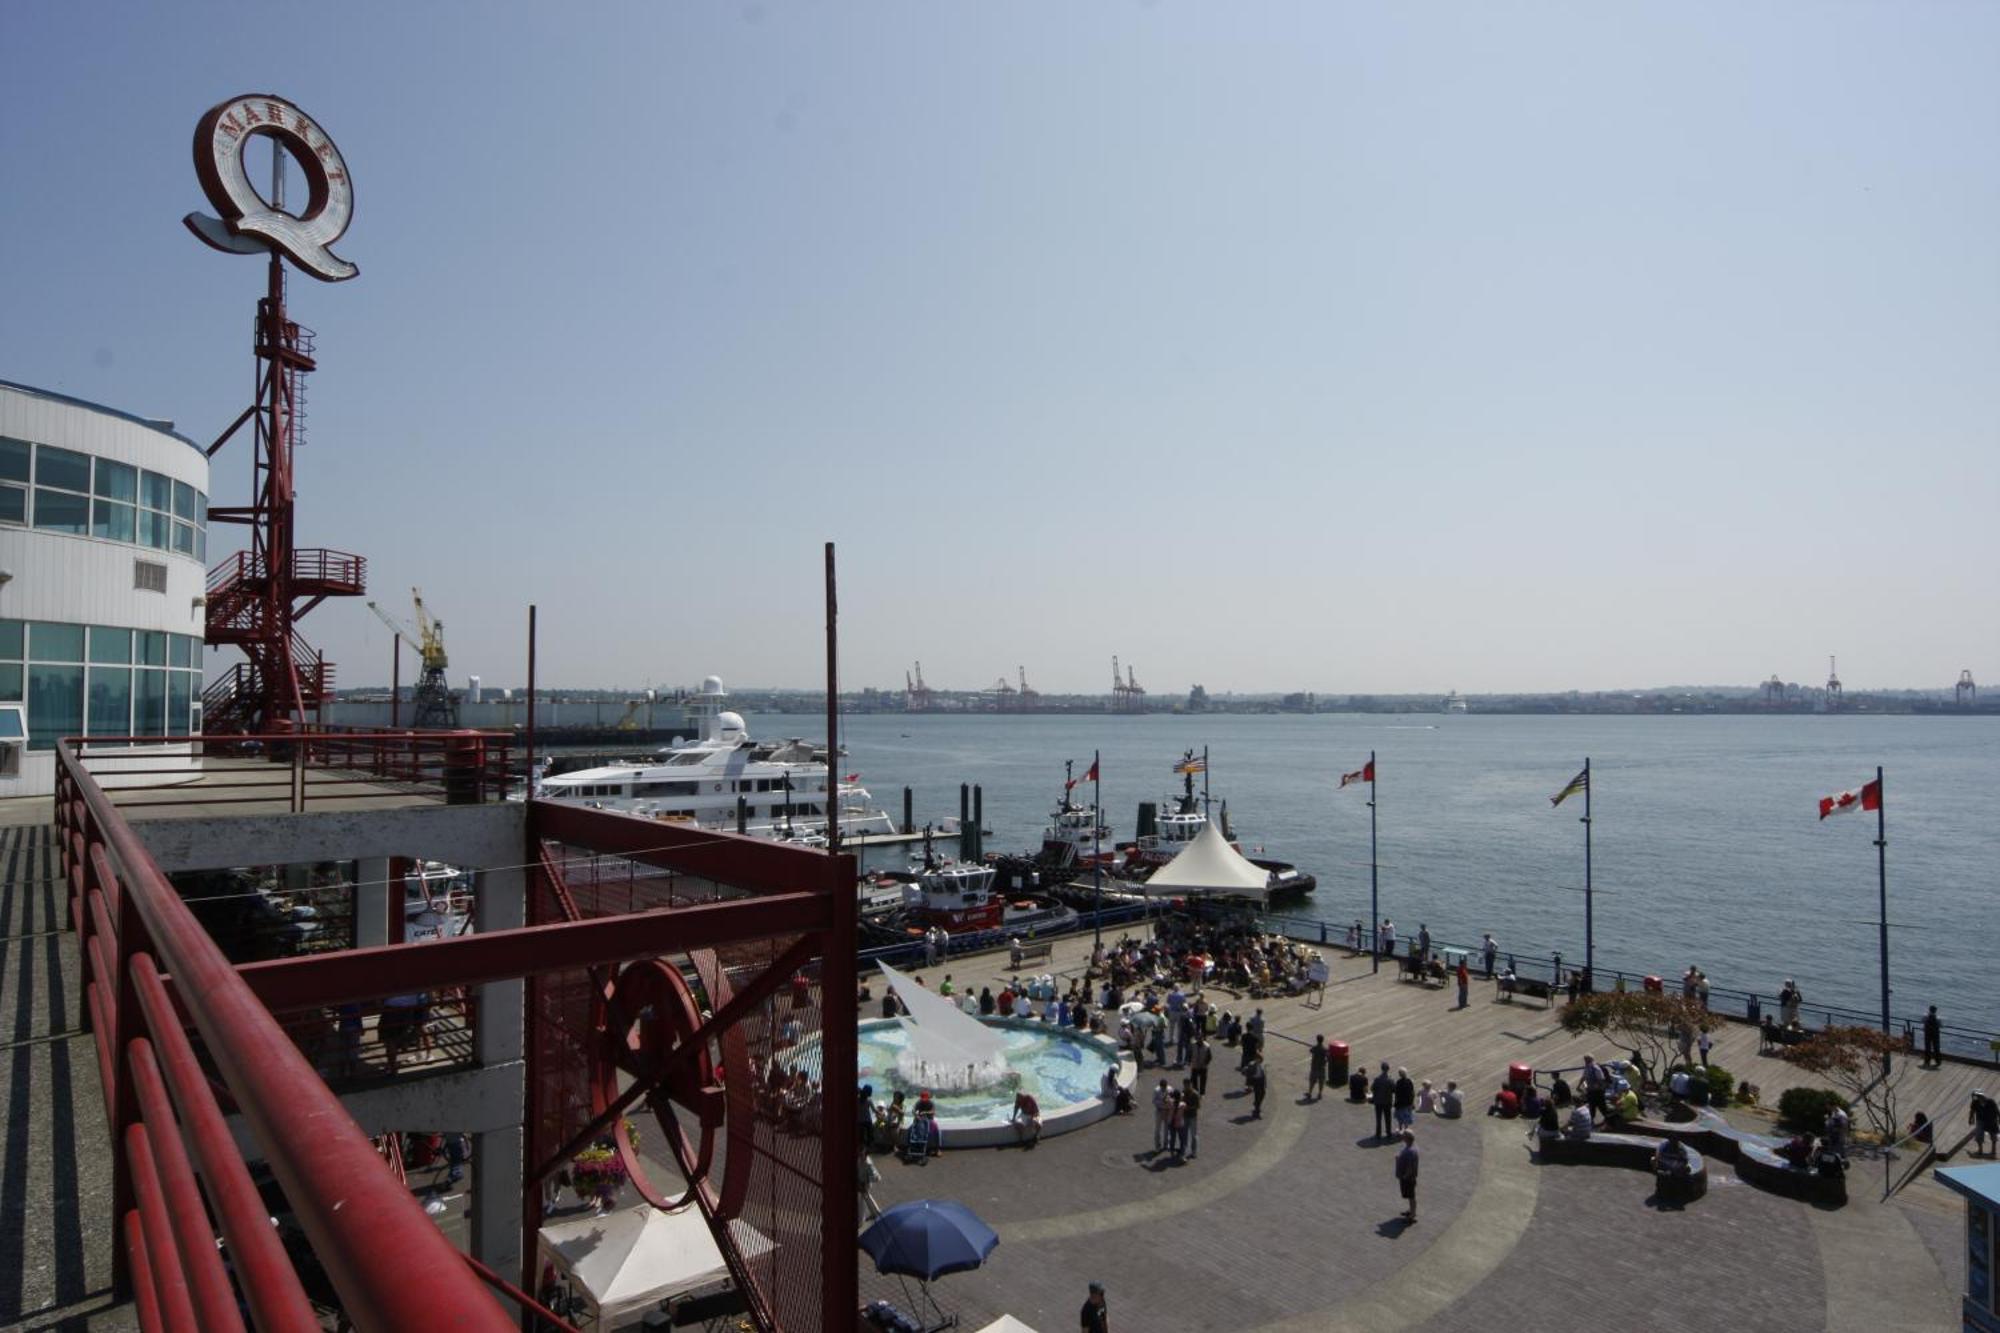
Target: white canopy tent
x=1209 y=865
x=1006 y=1323
x=625 y=1263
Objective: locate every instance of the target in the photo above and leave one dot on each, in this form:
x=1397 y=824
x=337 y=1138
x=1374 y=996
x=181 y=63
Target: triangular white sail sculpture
x=946 y=1047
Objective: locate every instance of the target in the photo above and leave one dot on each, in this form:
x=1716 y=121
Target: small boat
x=1173 y=830
x=961 y=897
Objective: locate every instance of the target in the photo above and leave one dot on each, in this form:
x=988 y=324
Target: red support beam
x=469 y=960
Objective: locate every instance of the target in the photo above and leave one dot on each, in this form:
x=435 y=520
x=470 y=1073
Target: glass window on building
x=116 y=481
x=15 y=456
x=184 y=538
x=110 y=712
x=177 y=703
x=10 y=682
x=111 y=647
x=13 y=638
x=13 y=504
x=64 y=469
x=149 y=703
x=59 y=511
x=112 y=520
x=154 y=529
x=152 y=647
x=55 y=643
x=184 y=501
x=156 y=491
x=55 y=704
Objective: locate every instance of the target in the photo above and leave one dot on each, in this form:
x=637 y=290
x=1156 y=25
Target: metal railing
x=1977 y=1045
x=296 y=769
x=195 y=1235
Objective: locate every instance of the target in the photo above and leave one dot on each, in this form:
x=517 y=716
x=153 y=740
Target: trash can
x=1336 y=1062
x=1655 y=986
x=1357 y=1087
x=1520 y=1077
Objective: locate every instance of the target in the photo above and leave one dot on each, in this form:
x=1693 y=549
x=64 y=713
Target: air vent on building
x=149 y=576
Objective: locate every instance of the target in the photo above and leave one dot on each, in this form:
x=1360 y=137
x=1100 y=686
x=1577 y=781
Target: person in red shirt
x=1464 y=984
x=1027 y=1119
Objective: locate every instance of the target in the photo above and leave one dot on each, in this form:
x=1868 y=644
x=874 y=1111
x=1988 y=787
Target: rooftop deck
x=1290 y=1222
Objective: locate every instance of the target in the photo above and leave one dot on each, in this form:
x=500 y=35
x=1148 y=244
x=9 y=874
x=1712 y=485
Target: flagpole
x=1096 y=855
x=1374 y=880
x=1589 y=922
x=1882 y=870
x=1204 y=781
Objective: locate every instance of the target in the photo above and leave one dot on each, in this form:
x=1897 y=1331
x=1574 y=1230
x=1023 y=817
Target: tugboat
x=1076 y=835
x=960 y=896
x=1165 y=836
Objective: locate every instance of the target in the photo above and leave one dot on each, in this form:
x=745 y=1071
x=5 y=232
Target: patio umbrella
x=927 y=1238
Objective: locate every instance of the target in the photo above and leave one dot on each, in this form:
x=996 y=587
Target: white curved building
x=103 y=543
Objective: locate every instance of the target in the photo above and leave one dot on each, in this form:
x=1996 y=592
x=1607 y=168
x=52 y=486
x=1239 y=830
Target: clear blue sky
x=1336 y=347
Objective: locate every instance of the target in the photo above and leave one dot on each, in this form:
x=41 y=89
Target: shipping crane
x=436 y=706
x=916 y=694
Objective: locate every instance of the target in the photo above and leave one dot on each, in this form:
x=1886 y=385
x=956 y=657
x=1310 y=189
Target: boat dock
x=1289 y=1221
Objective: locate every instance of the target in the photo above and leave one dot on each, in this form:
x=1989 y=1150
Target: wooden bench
x=1534 y=990
x=1629 y=1150
x=1420 y=971
x=1770 y=1034
x=1031 y=951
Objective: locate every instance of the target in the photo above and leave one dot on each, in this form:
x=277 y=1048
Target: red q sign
x=248 y=224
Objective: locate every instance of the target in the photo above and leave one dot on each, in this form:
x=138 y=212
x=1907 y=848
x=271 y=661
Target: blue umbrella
x=927 y=1238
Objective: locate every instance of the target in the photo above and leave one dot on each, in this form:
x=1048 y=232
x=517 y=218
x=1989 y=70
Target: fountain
x=973 y=1067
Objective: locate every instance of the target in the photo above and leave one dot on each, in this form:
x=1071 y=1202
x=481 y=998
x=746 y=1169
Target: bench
x=1422 y=972
x=1534 y=990
x=1755 y=1156
x=1628 y=1150
x=1030 y=952
x=1770 y=1034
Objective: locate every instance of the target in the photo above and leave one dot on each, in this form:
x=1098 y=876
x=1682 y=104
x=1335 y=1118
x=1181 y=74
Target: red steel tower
x=257 y=596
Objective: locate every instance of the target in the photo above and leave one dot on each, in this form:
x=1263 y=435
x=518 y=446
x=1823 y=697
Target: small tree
x=1854 y=1060
x=1638 y=1021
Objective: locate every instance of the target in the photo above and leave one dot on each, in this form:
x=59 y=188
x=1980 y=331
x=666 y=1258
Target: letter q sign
x=249 y=224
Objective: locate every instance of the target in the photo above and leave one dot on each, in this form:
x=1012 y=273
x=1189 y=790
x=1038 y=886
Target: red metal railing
x=178 y=1179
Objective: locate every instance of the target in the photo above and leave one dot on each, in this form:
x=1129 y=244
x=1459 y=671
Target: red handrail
x=367 y=1232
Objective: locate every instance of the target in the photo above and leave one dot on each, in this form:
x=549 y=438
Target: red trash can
x=1336 y=1062
x=1520 y=1076
x=1655 y=986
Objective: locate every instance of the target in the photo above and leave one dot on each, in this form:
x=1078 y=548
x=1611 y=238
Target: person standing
x=1406 y=1175
x=1789 y=1000
x=1387 y=938
x=1464 y=984
x=1706 y=1043
x=1160 y=1109
x=1199 y=1061
x=1405 y=1097
x=1491 y=951
x=1316 y=1070
x=1096 y=1315
x=1191 y=1116
x=1254 y=1076
x=1984 y=1117
x=1382 y=1094
x=865 y=1206
x=1423 y=942
x=1933 y=1033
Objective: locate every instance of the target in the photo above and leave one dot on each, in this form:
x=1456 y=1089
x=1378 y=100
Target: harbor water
x=1707 y=844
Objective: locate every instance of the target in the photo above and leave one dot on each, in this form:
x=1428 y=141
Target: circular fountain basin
x=1062 y=1068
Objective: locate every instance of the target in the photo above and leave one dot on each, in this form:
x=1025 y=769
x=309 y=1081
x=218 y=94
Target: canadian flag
x=1869 y=797
x=1365 y=773
x=1091 y=776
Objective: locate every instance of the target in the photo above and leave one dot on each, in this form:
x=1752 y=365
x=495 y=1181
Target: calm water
x=1707 y=845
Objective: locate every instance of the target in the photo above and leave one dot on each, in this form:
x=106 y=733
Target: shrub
x=1803 y=1110
x=1721 y=1083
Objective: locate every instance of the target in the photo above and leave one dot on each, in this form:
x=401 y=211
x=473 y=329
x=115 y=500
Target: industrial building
x=103 y=538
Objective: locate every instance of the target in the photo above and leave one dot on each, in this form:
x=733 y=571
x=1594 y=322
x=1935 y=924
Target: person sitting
x=1506 y=1104
x=1559 y=1091
x=1798 y=1150
x=1026 y=1119
x=1426 y=1099
x=1921 y=1129
x=1532 y=1101
x=1451 y=1102
x=1548 y=1125
x=1580 y=1123
x=1680 y=1085
x=1625 y=1109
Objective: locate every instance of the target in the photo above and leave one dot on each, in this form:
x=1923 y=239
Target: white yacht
x=722 y=779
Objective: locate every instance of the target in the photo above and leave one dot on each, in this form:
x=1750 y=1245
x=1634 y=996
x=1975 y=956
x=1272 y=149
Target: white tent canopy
x=625 y=1263
x=1209 y=865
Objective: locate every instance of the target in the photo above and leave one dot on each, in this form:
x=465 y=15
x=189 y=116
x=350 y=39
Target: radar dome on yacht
x=731 y=726
x=711 y=685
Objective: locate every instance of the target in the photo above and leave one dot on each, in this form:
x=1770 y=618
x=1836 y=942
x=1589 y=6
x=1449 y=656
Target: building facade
x=103 y=549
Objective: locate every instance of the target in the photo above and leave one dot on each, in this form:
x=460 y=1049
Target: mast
x=1374 y=884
